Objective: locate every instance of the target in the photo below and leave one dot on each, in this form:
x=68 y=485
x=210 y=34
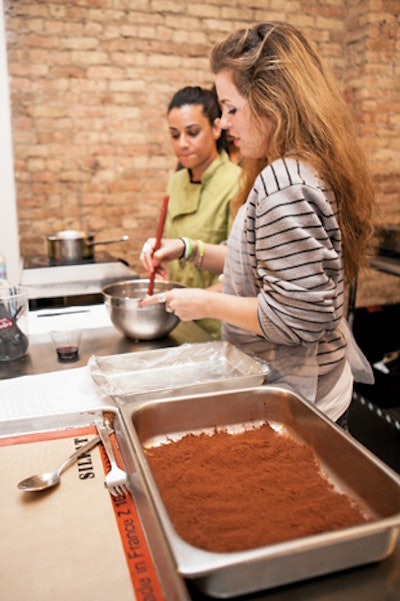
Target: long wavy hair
x=282 y=76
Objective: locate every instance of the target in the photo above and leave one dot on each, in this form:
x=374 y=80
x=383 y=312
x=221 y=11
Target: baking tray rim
x=54 y=421
x=214 y=562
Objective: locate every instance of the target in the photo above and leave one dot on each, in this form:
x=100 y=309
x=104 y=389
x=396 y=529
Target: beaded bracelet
x=201 y=251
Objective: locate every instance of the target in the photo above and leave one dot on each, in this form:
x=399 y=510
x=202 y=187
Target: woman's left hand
x=187 y=303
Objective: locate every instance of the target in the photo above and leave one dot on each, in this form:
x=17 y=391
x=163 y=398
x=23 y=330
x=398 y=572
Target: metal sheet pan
x=187 y=369
x=353 y=469
x=171 y=582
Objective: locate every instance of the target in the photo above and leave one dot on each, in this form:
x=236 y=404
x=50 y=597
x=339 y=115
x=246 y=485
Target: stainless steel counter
x=69 y=280
x=42 y=357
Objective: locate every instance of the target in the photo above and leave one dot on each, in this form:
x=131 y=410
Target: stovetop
x=38 y=261
x=66 y=282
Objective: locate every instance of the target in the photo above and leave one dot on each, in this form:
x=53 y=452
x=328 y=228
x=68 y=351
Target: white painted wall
x=9 y=239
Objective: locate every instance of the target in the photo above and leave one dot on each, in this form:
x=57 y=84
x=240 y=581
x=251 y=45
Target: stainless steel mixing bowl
x=139 y=323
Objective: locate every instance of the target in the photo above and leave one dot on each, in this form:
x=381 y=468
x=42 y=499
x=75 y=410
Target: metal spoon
x=47 y=480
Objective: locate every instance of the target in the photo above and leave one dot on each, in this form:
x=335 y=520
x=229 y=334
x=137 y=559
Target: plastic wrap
x=187 y=368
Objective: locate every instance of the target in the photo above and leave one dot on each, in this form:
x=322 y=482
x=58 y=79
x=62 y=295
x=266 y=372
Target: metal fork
x=116 y=480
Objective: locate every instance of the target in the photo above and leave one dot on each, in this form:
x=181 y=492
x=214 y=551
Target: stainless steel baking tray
x=172 y=584
x=353 y=469
x=186 y=369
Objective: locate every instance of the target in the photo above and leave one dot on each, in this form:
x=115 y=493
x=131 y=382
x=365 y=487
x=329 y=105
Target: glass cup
x=14 y=309
x=66 y=343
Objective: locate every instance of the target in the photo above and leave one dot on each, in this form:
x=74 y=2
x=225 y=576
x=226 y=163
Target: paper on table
x=49 y=393
x=62 y=545
x=79 y=317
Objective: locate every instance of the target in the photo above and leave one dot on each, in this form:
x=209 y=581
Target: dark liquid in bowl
x=68 y=353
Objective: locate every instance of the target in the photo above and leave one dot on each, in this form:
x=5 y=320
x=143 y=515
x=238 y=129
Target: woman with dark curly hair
x=204 y=185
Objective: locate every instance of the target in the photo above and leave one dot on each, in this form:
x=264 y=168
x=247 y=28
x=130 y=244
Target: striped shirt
x=285 y=248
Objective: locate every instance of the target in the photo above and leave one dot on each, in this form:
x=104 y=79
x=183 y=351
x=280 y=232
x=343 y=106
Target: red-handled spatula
x=160 y=230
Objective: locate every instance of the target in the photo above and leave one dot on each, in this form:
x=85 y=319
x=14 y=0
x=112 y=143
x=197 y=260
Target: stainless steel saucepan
x=70 y=246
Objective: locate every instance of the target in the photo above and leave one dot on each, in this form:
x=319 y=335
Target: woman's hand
x=191 y=304
x=187 y=303
x=169 y=250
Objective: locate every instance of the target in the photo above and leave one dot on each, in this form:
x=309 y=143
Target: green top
x=201 y=211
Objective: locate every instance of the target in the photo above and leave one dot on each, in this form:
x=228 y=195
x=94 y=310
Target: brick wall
x=372 y=78
x=90 y=81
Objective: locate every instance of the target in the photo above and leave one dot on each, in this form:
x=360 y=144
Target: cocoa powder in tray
x=231 y=492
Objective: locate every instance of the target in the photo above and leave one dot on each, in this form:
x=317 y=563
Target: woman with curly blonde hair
x=304 y=217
